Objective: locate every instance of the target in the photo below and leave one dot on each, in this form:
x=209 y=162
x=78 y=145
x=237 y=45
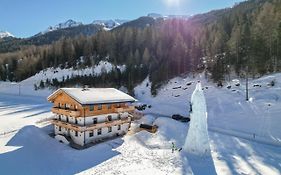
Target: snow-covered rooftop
x=95 y=95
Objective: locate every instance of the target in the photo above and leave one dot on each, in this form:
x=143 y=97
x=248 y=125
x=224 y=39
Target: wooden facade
x=65 y=105
x=75 y=117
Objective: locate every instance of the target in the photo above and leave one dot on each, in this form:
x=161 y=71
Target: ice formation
x=197 y=140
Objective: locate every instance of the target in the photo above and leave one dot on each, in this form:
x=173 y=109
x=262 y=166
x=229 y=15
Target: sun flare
x=172 y=2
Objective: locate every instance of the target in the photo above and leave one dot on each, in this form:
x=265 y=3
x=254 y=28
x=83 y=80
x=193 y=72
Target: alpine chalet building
x=86 y=115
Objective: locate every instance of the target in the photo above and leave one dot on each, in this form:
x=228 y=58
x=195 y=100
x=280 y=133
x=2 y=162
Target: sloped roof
x=94 y=95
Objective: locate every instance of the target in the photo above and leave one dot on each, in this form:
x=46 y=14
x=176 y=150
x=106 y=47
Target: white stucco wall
x=77 y=139
x=89 y=120
x=105 y=134
x=63 y=131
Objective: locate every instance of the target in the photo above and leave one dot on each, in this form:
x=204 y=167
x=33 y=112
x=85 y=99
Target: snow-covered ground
x=228 y=112
x=244 y=136
x=26 y=87
x=58 y=73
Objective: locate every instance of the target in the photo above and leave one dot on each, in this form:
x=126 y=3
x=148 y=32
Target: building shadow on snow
x=37 y=153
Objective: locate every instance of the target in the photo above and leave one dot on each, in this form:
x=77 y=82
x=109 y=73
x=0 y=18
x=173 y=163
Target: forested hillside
x=244 y=38
x=13 y=44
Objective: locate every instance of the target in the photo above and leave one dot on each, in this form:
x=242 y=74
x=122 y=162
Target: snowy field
x=26 y=147
x=228 y=111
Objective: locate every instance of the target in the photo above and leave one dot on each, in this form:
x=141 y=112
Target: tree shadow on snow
x=38 y=153
x=233 y=151
x=30 y=108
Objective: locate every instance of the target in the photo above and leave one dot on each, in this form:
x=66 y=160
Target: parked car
x=180 y=118
x=185 y=119
x=141 y=107
x=177 y=117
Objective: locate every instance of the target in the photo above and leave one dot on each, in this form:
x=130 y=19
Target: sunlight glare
x=172 y=2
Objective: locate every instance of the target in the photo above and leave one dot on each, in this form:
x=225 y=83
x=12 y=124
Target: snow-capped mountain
x=5 y=34
x=63 y=25
x=156 y=16
x=109 y=24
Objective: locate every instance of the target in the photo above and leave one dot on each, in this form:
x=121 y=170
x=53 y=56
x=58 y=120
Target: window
x=95 y=120
x=91 y=134
x=76 y=121
x=59 y=105
x=91 y=107
x=66 y=119
x=109 y=118
x=67 y=106
x=119 y=117
x=109 y=129
x=108 y=106
x=99 y=131
x=119 y=127
x=100 y=107
x=59 y=117
x=59 y=128
x=76 y=133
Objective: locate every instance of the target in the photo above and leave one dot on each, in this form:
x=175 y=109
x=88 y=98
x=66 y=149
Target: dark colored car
x=180 y=118
x=177 y=117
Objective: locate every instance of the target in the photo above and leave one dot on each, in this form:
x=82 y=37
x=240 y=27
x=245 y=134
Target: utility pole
x=247 y=86
x=19 y=89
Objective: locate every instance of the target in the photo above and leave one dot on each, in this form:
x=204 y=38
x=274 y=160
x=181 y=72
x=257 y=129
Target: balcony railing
x=125 y=109
x=108 y=123
x=66 y=125
x=70 y=112
x=92 y=126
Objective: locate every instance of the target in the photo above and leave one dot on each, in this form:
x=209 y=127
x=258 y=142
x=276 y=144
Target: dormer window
x=108 y=106
x=91 y=107
x=100 y=107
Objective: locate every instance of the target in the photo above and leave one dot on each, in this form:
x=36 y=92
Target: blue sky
x=24 y=18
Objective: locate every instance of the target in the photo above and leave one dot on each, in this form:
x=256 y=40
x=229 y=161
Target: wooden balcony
x=125 y=109
x=108 y=124
x=79 y=128
x=68 y=112
x=66 y=125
